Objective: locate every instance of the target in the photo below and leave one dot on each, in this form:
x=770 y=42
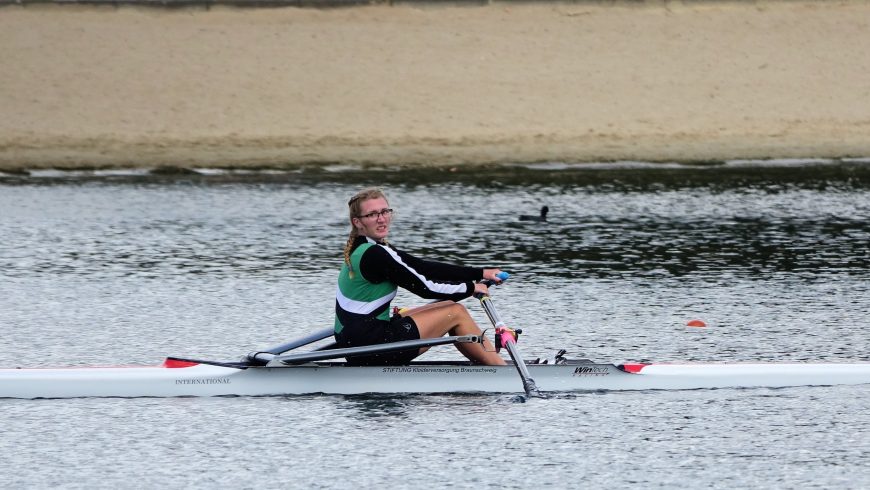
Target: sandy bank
x=120 y=87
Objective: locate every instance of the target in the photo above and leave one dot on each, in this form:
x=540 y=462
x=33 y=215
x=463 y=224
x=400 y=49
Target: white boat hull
x=174 y=379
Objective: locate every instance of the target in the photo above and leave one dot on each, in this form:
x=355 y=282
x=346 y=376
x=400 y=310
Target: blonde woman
x=373 y=271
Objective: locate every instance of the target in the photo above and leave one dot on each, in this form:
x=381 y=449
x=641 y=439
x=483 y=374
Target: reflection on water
x=656 y=246
x=643 y=221
x=376 y=406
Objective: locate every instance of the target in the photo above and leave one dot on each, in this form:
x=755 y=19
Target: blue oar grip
x=502 y=277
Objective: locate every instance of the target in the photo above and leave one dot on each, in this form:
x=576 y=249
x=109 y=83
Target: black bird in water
x=542 y=217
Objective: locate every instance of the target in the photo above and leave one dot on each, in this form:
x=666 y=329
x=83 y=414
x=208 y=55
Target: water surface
x=126 y=269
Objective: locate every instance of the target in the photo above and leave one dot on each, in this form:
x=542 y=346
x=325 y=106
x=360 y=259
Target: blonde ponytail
x=348 y=246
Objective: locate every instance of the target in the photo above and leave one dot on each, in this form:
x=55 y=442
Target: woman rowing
x=369 y=279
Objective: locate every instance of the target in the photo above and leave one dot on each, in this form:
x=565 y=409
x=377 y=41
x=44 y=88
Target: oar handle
x=503 y=334
x=502 y=276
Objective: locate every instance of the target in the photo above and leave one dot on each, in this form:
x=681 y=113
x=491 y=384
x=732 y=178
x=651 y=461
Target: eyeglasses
x=385 y=213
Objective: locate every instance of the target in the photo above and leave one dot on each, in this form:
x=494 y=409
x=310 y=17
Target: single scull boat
x=275 y=372
x=265 y=373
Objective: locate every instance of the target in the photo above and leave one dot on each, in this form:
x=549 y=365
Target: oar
x=505 y=337
x=403 y=345
x=261 y=357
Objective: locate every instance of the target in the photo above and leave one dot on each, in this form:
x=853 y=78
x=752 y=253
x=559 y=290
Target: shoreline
x=137 y=87
x=89 y=154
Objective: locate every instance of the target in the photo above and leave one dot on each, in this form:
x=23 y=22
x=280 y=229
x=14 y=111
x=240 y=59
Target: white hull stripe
x=437 y=287
x=361 y=307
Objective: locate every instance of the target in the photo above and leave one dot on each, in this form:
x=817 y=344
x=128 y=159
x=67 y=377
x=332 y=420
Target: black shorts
x=380 y=332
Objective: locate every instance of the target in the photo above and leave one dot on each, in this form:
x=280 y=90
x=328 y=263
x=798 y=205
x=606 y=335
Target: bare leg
x=438 y=319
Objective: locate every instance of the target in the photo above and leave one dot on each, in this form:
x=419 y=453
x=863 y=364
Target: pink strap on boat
x=505 y=335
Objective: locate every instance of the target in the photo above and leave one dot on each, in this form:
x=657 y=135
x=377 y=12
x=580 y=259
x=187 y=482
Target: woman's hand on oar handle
x=481 y=289
x=494 y=275
x=490 y=277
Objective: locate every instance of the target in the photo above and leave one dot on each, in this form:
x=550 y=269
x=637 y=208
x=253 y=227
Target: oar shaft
x=529 y=384
x=264 y=356
x=491 y=313
x=508 y=341
x=290 y=359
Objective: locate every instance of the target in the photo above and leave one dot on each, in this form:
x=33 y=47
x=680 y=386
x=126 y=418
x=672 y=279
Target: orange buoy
x=696 y=323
